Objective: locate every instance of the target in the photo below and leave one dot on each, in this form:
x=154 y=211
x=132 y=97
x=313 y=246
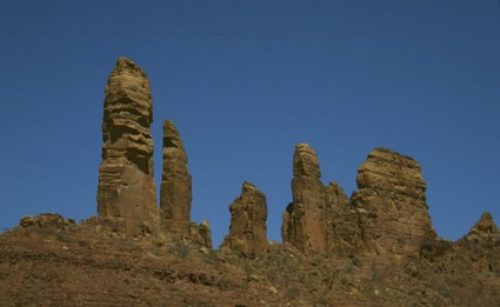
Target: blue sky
x=245 y=81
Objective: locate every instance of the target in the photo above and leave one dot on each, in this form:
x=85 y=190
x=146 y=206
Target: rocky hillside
x=375 y=248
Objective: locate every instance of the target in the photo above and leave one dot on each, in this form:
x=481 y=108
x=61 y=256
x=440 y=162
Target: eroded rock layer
x=247 y=233
x=126 y=190
x=391 y=203
x=175 y=191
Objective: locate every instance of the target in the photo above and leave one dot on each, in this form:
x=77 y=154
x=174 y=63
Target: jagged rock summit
x=484 y=230
x=126 y=190
x=248 y=232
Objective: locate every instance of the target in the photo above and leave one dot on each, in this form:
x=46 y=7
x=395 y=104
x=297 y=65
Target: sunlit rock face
x=126 y=190
x=320 y=218
x=176 y=185
x=391 y=204
x=248 y=232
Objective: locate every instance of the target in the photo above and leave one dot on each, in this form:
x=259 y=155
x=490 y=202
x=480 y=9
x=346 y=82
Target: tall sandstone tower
x=175 y=190
x=320 y=218
x=126 y=190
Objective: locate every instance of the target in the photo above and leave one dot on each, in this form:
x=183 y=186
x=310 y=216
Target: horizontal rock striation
x=126 y=189
x=391 y=203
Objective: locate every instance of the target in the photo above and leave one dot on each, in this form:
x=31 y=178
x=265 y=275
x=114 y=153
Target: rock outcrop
x=201 y=234
x=175 y=191
x=391 y=204
x=484 y=230
x=319 y=219
x=126 y=190
x=46 y=220
x=247 y=233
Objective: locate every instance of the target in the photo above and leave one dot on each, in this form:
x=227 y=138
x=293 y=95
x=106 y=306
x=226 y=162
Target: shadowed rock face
x=126 y=189
x=391 y=203
x=484 y=230
x=319 y=219
x=247 y=233
x=175 y=191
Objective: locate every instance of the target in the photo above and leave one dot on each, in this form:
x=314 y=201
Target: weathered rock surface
x=201 y=234
x=377 y=249
x=46 y=220
x=247 y=233
x=391 y=204
x=175 y=191
x=320 y=218
x=301 y=226
x=341 y=222
x=484 y=230
x=126 y=190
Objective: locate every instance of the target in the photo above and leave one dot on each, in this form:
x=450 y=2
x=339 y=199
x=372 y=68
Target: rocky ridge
x=377 y=247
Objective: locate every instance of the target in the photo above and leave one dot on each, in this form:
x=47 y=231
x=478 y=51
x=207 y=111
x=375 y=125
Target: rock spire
x=301 y=218
x=175 y=191
x=319 y=219
x=126 y=189
x=247 y=233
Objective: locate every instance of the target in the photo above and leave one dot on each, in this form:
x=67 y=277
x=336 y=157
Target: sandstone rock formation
x=391 y=204
x=320 y=218
x=46 y=220
x=175 y=191
x=484 y=230
x=376 y=249
x=247 y=233
x=201 y=234
x=301 y=225
x=126 y=190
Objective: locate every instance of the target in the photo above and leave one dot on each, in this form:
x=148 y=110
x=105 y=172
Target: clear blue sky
x=246 y=80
